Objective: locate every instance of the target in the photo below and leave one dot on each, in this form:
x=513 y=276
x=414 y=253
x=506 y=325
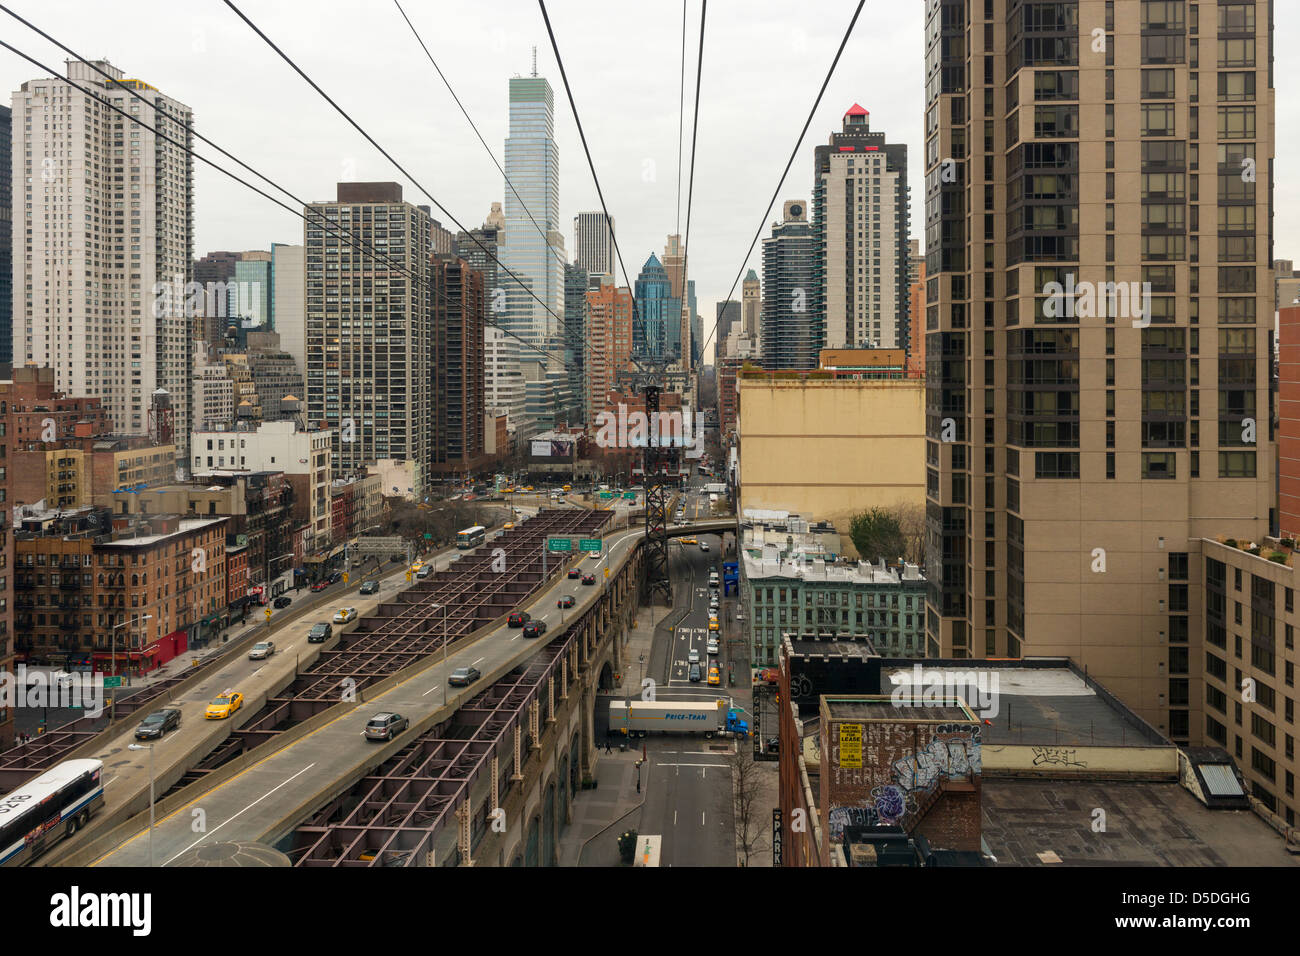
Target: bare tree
x=751 y=830
x=911 y=522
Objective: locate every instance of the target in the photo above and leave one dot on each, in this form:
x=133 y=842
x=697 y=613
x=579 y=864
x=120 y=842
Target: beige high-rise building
x=751 y=301
x=674 y=263
x=103 y=241
x=1082 y=436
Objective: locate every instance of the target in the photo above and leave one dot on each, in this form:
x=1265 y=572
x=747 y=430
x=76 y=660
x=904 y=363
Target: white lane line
x=701 y=818
x=241 y=812
x=692 y=765
x=478 y=660
x=674 y=818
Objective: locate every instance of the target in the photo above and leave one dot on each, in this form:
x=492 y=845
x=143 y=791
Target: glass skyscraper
x=656 y=327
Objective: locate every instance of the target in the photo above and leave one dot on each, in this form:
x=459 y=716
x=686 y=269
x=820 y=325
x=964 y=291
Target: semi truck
x=642 y=716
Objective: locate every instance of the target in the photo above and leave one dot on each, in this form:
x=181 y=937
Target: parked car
x=463 y=676
x=261 y=650
x=693 y=657
x=567 y=601
x=386 y=726
x=282 y=601
x=713 y=646
x=335 y=577
x=575 y=572
x=715 y=678
x=369 y=587
x=518 y=619
x=320 y=585
x=589 y=579
x=158 y=723
x=224 y=705
x=319 y=633
x=534 y=628
x=704 y=546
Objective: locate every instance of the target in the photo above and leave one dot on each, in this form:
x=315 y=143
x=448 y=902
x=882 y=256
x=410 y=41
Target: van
x=319 y=633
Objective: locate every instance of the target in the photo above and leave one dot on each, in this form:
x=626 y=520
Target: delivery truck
x=639 y=717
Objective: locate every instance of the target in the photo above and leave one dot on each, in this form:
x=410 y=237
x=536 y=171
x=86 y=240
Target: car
x=318 y=633
x=518 y=619
x=693 y=657
x=386 y=726
x=369 y=587
x=713 y=624
x=261 y=650
x=713 y=647
x=508 y=525
x=704 y=546
x=424 y=572
x=575 y=572
x=158 y=723
x=345 y=614
x=463 y=676
x=596 y=555
x=567 y=601
x=528 y=487
x=715 y=678
x=282 y=601
x=320 y=586
x=589 y=579
x=688 y=541
x=534 y=628
x=224 y=705
x=335 y=577
x=695 y=673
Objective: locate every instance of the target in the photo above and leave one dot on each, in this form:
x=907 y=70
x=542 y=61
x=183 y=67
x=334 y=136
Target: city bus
x=57 y=803
x=471 y=537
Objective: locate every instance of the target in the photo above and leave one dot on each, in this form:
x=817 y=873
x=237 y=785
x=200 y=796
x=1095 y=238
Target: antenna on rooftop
x=534 y=60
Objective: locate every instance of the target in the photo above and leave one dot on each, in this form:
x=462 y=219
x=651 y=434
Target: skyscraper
x=728 y=318
x=458 y=366
x=369 y=327
x=860 y=220
x=289 y=266
x=6 y=238
x=106 y=226
x=608 y=342
x=752 y=302
x=656 y=328
x=674 y=263
x=532 y=166
x=792 y=332
x=1085 y=442
x=477 y=248
x=593 y=243
x=576 y=281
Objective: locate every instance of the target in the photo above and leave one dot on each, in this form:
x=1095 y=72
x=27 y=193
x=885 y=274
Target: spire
x=534 y=60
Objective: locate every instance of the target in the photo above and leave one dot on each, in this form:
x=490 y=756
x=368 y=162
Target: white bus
x=471 y=537
x=57 y=803
x=647 y=851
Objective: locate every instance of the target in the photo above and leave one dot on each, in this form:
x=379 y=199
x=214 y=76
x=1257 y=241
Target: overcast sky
x=763 y=64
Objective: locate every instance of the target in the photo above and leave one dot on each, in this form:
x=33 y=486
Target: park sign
x=559 y=544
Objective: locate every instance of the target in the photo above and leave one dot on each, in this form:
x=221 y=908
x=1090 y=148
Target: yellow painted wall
x=1086 y=761
x=830 y=449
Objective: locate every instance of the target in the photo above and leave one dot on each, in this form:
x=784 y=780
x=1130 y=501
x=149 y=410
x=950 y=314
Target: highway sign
x=604 y=494
x=559 y=544
x=379 y=545
x=589 y=544
x=112 y=682
x=630 y=495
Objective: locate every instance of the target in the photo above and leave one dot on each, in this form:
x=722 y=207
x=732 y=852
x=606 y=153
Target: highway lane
x=262 y=800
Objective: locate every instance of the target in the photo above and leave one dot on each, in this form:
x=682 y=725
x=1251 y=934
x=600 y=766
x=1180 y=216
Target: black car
x=534 y=628
x=695 y=674
x=282 y=601
x=463 y=676
x=566 y=601
x=518 y=619
x=158 y=723
x=336 y=577
x=589 y=579
x=319 y=633
x=370 y=587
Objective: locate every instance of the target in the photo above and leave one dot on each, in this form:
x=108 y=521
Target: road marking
x=674 y=818
x=249 y=807
x=476 y=662
x=692 y=765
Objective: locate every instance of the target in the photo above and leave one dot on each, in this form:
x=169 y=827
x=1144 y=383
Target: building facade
x=656 y=325
x=608 y=343
x=106 y=225
x=792 y=328
x=459 y=365
x=593 y=243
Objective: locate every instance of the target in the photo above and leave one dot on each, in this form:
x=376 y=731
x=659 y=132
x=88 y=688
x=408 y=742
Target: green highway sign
x=630 y=495
x=112 y=682
x=559 y=544
x=589 y=544
x=604 y=494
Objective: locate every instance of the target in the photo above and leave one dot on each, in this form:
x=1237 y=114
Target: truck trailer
x=642 y=716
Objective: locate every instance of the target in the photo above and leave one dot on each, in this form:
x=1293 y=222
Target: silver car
x=386 y=726
x=261 y=650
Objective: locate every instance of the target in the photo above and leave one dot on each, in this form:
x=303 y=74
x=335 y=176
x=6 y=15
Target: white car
x=344 y=615
x=704 y=546
x=693 y=657
x=596 y=555
x=713 y=646
x=261 y=650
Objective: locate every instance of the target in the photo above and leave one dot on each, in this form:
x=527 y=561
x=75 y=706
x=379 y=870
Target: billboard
x=551 y=449
x=541 y=449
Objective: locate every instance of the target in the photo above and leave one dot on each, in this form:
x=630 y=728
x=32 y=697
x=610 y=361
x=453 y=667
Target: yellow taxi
x=508 y=525
x=507 y=491
x=715 y=678
x=688 y=541
x=225 y=705
x=713 y=624
x=528 y=488
x=567 y=488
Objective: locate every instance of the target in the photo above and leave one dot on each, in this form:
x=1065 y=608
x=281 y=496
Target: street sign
x=630 y=495
x=345 y=577
x=559 y=544
x=112 y=682
x=605 y=494
x=268 y=614
x=607 y=574
x=589 y=544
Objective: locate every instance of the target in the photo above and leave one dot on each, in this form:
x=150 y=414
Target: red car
x=575 y=573
x=566 y=601
x=589 y=579
x=320 y=585
x=769 y=675
x=518 y=619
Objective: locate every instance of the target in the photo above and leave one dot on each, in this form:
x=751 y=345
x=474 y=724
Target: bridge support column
x=588 y=730
x=550 y=699
x=496 y=781
x=534 y=714
x=463 y=815
x=518 y=775
x=564 y=677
